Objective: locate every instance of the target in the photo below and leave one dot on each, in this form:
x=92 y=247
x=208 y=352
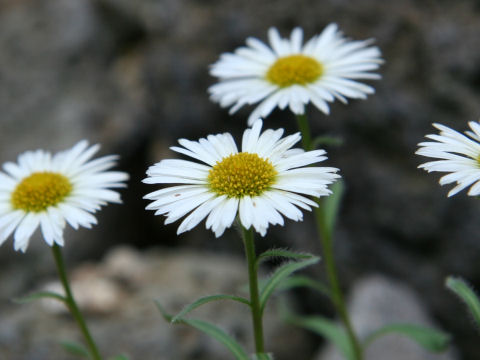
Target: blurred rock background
x=132 y=75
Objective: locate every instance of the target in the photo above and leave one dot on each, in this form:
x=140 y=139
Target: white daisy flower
x=459 y=156
x=46 y=191
x=264 y=181
x=289 y=73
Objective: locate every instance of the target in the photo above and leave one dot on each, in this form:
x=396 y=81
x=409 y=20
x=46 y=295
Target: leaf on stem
x=75 y=349
x=219 y=335
x=326 y=328
x=164 y=313
x=430 y=339
x=119 y=357
x=331 y=205
x=280 y=274
x=40 y=295
x=262 y=356
x=281 y=253
x=463 y=290
x=211 y=330
x=207 y=299
x=296 y=281
x=326 y=140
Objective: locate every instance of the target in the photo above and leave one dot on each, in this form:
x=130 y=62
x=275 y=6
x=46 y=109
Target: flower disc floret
x=240 y=175
x=39 y=191
x=294 y=69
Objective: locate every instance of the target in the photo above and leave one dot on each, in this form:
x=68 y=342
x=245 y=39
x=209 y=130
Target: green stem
x=249 y=243
x=336 y=291
x=326 y=238
x=72 y=306
x=304 y=128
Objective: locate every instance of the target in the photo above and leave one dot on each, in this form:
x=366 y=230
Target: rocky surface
x=377 y=301
x=117 y=295
x=133 y=76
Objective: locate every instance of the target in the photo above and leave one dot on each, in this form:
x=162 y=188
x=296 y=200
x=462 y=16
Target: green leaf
x=281 y=253
x=210 y=330
x=219 y=335
x=262 y=356
x=280 y=274
x=461 y=288
x=326 y=140
x=119 y=357
x=331 y=205
x=296 y=281
x=207 y=299
x=326 y=328
x=430 y=339
x=40 y=295
x=75 y=349
x=164 y=313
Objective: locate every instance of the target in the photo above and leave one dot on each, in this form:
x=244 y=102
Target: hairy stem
x=326 y=238
x=72 y=306
x=249 y=244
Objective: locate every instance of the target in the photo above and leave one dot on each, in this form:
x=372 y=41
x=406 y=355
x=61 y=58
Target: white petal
x=199 y=214
x=6 y=182
x=222 y=216
x=296 y=40
x=184 y=207
x=25 y=230
x=8 y=224
x=76 y=216
x=245 y=211
x=284 y=206
x=250 y=137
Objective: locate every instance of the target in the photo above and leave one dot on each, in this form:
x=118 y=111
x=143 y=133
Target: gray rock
x=377 y=301
x=117 y=296
x=55 y=87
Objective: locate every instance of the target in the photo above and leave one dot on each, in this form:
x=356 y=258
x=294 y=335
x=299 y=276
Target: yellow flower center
x=294 y=69
x=40 y=190
x=240 y=175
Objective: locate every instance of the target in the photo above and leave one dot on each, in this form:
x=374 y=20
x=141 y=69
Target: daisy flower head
x=48 y=191
x=323 y=69
x=457 y=154
x=265 y=180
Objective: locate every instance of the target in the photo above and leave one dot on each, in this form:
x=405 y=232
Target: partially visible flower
x=264 y=181
x=46 y=191
x=289 y=73
x=459 y=156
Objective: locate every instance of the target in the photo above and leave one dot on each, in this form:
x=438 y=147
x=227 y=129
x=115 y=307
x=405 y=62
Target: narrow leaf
x=40 y=295
x=210 y=330
x=326 y=140
x=461 y=288
x=119 y=357
x=280 y=274
x=75 y=349
x=219 y=335
x=207 y=299
x=331 y=205
x=328 y=329
x=162 y=310
x=296 y=281
x=281 y=253
x=430 y=339
x=262 y=356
